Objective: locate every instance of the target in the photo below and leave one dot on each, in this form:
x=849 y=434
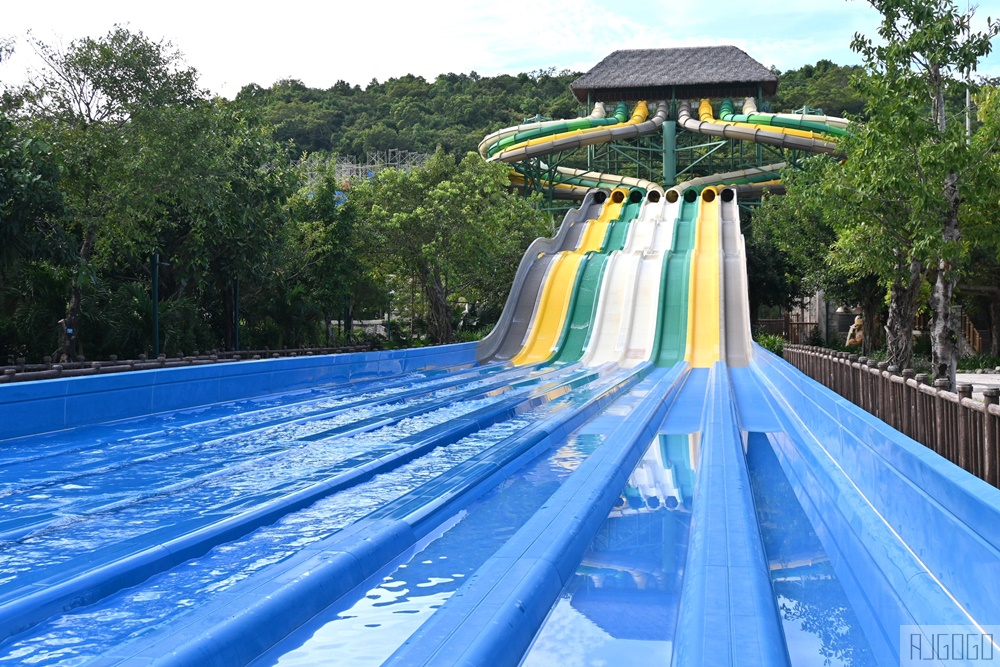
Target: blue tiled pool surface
x=414 y=507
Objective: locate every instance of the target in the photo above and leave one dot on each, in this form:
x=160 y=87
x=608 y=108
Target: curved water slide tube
x=562 y=191
x=507 y=336
x=779 y=137
x=638 y=125
x=755 y=175
x=576 y=183
x=757 y=190
x=737 y=341
x=639 y=115
x=514 y=136
x=834 y=126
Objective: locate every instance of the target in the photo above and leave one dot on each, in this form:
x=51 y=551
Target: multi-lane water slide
x=641 y=484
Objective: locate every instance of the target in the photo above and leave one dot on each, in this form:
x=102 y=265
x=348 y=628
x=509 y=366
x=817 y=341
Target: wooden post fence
x=952 y=423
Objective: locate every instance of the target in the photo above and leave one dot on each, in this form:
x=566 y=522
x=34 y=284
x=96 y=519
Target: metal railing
x=953 y=424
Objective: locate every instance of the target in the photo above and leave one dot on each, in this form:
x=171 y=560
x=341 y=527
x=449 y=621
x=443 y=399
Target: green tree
x=29 y=189
x=453 y=226
x=927 y=53
x=329 y=258
x=806 y=225
x=90 y=97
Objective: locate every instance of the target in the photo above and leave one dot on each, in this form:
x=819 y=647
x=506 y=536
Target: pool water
x=620 y=607
x=819 y=623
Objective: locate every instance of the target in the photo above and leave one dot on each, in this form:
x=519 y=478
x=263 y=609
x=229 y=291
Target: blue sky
x=232 y=44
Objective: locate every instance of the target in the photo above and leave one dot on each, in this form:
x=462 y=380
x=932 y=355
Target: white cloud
x=320 y=42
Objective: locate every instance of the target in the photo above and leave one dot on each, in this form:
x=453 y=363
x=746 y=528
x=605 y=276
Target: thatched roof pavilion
x=679 y=73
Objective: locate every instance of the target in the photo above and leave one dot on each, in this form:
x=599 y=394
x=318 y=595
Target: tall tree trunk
x=871 y=306
x=899 y=323
x=944 y=332
x=69 y=332
x=995 y=325
x=438 y=314
x=227 y=319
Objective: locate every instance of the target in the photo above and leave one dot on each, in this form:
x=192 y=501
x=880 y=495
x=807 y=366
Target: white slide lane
x=641 y=329
x=735 y=300
x=617 y=293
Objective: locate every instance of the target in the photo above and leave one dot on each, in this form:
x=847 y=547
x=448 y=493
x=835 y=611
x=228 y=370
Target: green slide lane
x=671 y=329
x=618 y=229
x=620 y=116
x=581 y=310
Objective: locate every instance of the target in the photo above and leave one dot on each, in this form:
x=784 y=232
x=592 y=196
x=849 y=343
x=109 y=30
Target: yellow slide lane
x=550 y=313
x=704 y=316
x=593 y=236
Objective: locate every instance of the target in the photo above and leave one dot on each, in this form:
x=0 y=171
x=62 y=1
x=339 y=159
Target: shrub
x=771 y=343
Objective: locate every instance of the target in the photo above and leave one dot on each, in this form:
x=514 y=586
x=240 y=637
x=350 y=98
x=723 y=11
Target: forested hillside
x=116 y=166
x=455 y=111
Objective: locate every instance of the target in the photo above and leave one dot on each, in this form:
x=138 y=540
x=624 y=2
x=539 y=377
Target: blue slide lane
x=202 y=515
x=494 y=616
x=239 y=416
x=248 y=618
x=38 y=407
x=27 y=609
x=727 y=611
x=122 y=468
x=912 y=537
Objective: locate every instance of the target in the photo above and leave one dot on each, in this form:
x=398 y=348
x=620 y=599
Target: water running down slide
x=641 y=332
x=507 y=336
x=613 y=308
x=737 y=341
x=704 y=301
x=549 y=317
x=669 y=344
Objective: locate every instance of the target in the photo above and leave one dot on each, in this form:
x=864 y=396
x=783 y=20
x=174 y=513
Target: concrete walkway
x=979 y=382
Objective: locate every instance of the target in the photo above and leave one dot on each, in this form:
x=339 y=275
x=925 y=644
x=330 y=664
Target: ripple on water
x=141 y=609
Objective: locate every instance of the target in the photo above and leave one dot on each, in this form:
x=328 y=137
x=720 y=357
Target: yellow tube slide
x=639 y=115
x=707 y=115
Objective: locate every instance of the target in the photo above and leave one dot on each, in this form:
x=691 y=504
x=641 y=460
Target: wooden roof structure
x=675 y=73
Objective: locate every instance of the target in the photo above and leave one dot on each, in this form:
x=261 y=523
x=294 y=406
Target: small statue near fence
x=856 y=333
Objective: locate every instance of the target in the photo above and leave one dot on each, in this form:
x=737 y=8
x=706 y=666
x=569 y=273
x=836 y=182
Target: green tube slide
x=583 y=303
x=620 y=116
x=671 y=327
x=729 y=115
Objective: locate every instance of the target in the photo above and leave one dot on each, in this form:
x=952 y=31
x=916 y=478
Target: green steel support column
x=670 y=153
